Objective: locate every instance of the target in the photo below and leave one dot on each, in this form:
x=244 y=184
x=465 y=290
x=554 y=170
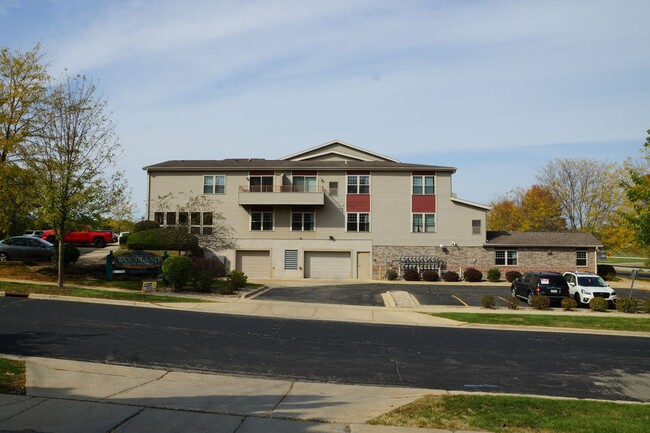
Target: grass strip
x=12 y=376
x=26 y=288
x=513 y=414
x=599 y=321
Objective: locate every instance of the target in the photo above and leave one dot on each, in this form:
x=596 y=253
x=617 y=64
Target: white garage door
x=255 y=264
x=319 y=264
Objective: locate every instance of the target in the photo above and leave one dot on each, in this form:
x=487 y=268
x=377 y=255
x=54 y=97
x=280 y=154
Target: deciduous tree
x=637 y=190
x=71 y=157
x=532 y=209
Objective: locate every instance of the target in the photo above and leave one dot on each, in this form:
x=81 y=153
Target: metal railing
x=280 y=188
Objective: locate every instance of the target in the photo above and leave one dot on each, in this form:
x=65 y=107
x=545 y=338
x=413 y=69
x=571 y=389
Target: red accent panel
x=261 y=173
x=423 y=203
x=303 y=173
x=358 y=203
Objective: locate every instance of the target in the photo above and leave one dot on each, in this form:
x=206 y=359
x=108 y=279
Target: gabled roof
x=542 y=239
x=470 y=204
x=356 y=153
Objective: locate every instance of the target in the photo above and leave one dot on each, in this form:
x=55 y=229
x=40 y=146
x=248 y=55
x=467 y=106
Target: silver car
x=25 y=248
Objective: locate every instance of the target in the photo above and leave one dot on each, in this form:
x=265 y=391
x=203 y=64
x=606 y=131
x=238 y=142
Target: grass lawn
x=514 y=414
x=640 y=323
x=12 y=376
x=25 y=288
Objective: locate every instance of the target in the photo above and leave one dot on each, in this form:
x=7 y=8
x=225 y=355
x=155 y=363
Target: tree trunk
x=61 y=263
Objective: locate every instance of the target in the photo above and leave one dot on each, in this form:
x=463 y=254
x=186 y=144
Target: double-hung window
x=302 y=221
x=505 y=257
x=214 y=184
x=424 y=223
x=581 y=258
x=423 y=185
x=358 y=222
x=359 y=184
x=261 y=221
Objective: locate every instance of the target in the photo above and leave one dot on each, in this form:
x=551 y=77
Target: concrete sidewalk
x=80 y=397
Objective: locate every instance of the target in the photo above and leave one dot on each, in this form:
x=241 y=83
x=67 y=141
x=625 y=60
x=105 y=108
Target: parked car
x=25 y=248
x=36 y=233
x=113 y=235
x=550 y=284
x=585 y=286
x=86 y=236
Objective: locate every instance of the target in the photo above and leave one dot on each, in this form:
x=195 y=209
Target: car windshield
x=555 y=280
x=594 y=281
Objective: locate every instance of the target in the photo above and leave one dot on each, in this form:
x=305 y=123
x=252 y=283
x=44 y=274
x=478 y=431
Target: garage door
x=255 y=264
x=319 y=264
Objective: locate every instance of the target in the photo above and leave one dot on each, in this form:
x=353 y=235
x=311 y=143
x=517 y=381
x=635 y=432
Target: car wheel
x=3 y=257
x=99 y=243
x=529 y=299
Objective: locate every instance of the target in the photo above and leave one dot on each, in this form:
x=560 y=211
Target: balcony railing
x=287 y=195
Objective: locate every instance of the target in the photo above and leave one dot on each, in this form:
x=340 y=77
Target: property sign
x=148 y=286
x=138 y=260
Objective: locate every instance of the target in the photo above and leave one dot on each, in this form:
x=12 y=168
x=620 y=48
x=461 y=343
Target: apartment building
x=333 y=211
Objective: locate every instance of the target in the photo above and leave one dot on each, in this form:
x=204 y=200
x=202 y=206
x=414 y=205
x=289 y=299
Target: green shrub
x=141 y=226
x=236 y=280
x=626 y=305
x=512 y=303
x=494 y=275
x=391 y=274
x=646 y=306
x=206 y=271
x=430 y=275
x=472 y=275
x=411 y=275
x=598 y=304
x=168 y=238
x=606 y=272
x=568 y=304
x=70 y=255
x=451 y=277
x=512 y=276
x=540 y=302
x=488 y=301
x=178 y=271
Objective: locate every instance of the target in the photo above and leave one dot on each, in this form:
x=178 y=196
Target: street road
x=570 y=365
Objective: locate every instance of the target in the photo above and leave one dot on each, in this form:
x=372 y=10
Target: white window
x=581 y=258
x=291 y=259
x=358 y=222
x=261 y=221
x=305 y=184
x=476 y=227
x=423 y=185
x=505 y=257
x=359 y=184
x=214 y=184
x=424 y=223
x=302 y=221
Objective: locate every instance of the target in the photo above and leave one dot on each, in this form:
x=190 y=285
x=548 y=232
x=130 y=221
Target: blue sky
x=495 y=88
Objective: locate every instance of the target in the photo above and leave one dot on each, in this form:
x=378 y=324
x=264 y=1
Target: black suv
x=550 y=284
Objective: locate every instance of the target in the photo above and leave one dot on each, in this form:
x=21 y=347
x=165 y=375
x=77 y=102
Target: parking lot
x=369 y=294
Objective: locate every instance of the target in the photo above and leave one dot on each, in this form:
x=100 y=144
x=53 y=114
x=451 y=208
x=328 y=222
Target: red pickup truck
x=87 y=236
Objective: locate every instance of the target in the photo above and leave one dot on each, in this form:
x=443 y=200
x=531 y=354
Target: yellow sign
x=149 y=286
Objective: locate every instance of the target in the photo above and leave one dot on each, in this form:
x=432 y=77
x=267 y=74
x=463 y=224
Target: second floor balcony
x=279 y=195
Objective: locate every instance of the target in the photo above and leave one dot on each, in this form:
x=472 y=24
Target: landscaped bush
x=451 y=277
x=472 y=275
x=512 y=276
x=626 y=305
x=540 y=302
x=411 y=275
x=512 y=303
x=178 y=271
x=568 y=304
x=430 y=275
x=391 y=274
x=236 y=280
x=494 y=275
x=598 y=304
x=160 y=239
x=145 y=225
x=606 y=272
x=206 y=271
x=646 y=306
x=488 y=301
x=70 y=255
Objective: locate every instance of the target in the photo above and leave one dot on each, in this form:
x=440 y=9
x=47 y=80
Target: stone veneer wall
x=460 y=258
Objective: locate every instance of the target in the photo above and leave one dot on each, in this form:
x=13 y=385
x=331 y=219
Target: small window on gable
x=476 y=227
